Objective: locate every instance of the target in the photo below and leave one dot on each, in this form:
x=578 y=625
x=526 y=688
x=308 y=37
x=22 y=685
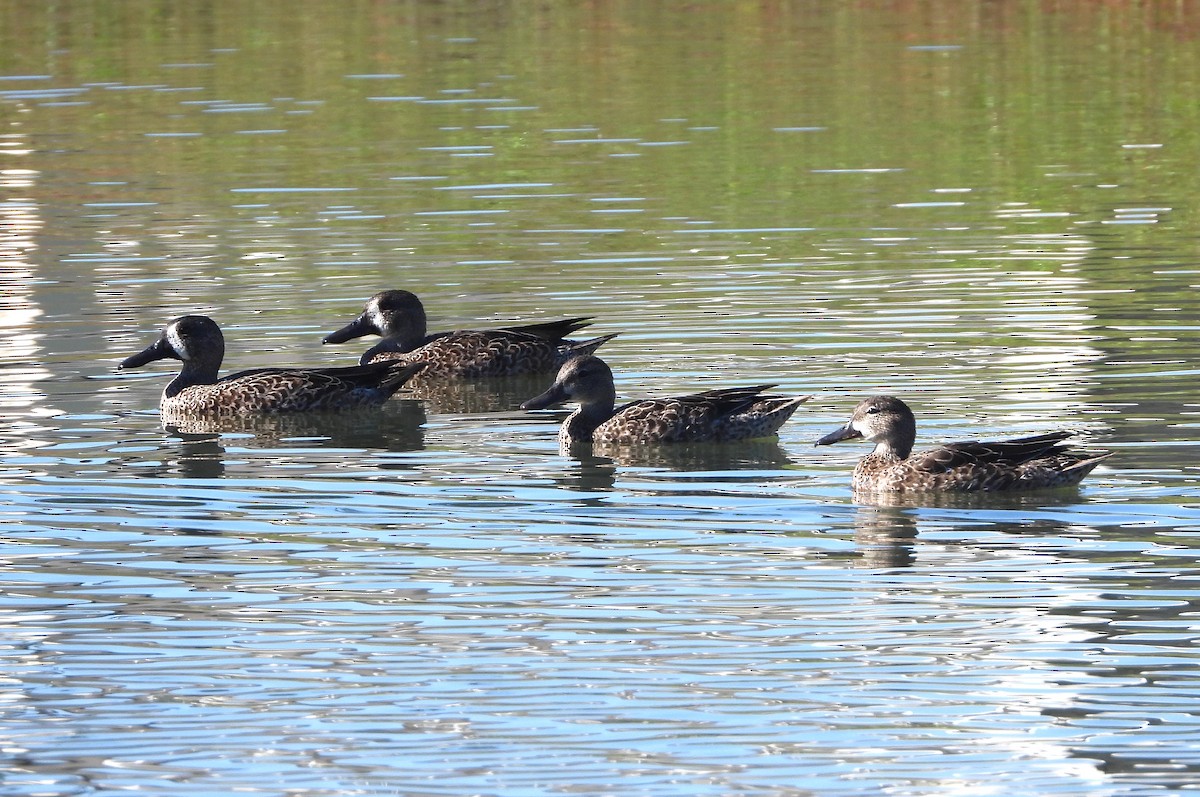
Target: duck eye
x=872 y=410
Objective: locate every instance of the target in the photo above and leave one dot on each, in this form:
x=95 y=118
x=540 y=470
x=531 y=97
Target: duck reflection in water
x=886 y=525
x=884 y=537
x=474 y=396
x=201 y=456
x=595 y=468
x=203 y=439
x=736 y=455
x=397 y=427
x=588 y=473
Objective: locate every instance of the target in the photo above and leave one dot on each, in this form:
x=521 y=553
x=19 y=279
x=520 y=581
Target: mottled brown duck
x=197 y=342
x=399 y=318
x=738 y=413
x=1019 y=464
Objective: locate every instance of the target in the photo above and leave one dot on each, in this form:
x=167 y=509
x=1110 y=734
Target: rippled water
x=973 y=206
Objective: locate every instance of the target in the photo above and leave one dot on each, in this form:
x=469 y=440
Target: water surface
x=988 y=209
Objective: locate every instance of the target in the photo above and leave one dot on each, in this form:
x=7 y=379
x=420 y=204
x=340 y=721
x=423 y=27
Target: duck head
x=886 y=421
x=585 y=379
x=190 y=338
x=389 y=314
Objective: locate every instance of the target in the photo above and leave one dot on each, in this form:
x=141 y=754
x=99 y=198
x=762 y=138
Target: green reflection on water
x=653 y=160
x=773 y=101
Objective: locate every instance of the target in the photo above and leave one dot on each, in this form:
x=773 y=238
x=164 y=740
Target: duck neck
x=196 y=371
x=889 y=451
x=582 y=423
x=384 y=346
x=408 y=332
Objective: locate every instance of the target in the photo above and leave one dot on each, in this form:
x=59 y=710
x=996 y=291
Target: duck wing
x=974 y=453
x=695 y=417
x=726 y=401
x=300 y=389
x=357 y=375
x=553 y=331
x=483 y=353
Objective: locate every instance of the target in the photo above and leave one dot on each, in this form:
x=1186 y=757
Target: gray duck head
x=886 y=421
x=585 y=379
x=397 y=315
x=196 y=340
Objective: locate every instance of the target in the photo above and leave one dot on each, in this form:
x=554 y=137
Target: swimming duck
x=399 y=317
x=731 y=414
x=1019 y=464
x=198 y=342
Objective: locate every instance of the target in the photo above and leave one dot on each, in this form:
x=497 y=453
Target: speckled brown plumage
x=1019 y=464
x=198 y=343
x=399 y=317
x=730 y=414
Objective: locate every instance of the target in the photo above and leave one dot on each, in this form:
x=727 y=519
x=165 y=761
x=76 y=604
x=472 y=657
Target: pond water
x=989 y=209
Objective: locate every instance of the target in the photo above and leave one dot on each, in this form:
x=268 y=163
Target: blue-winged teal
x=1020 y=464
x=399 y=317
x=198 y=342
x=738 y=413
